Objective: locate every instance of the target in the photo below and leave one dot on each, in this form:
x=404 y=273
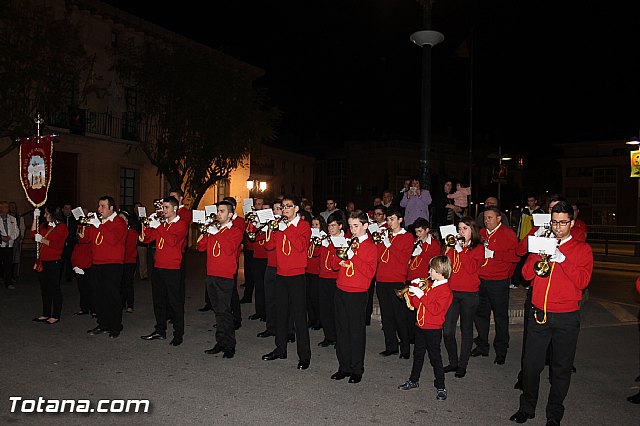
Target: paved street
x=186 y=386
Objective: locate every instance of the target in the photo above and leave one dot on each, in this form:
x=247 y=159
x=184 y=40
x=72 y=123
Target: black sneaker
x=441 y=394
x=408 y=385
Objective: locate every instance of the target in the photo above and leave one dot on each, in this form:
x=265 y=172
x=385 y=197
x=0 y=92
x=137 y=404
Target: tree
x=201 y=109
x=41 y=56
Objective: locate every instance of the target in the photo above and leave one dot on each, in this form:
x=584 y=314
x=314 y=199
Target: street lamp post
x=426 y=40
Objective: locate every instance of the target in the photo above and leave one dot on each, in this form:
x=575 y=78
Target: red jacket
x=131 y=246
x=579 y=230
x=291 y=247
x=356 y=276
x=222 y=251
x=107 y=240
x=326 y=262
x=259 y=252
x=419 y=265
x=393 y=261
x=56 y=236
x=270 y=252
x=566 y=281
x=186 y=215
x=81 y=255
x=503 y=242
x=313 y=262
x=432 y=307
x=169 y=238
x=466 y=267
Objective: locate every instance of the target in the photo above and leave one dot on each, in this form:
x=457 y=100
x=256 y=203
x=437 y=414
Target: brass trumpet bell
x=378 y=236
x=542 y=268
x=84 y=220
x=403 y=293
x=251 y=236
x=342 y=253
x=450 y=240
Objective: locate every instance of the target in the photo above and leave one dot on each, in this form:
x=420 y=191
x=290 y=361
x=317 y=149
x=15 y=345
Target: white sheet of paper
x=77 y=213
x=374 y=227
x=246 y=209
x=210 y=209
x=339 y=241
x=142 y=212
x=542 y=245
x=315 y=232
x=199 y=216
x=265 y=215
x=541 y=219
x=448 y=230
x=247 y=202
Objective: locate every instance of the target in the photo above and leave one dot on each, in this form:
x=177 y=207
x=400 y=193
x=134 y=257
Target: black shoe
x=460 y=372
x=638 y=379
x=573 y=369
x=521 y=417
x=450 y=369
x=325 y=343
x=96 y=331
x=254 y=317
x=291 y=338
x=265 y=333
x=500 y=359
x=367 y=322
x=229 y=353
x=243 y=300
x=339 y=375
x=634 y=399
x=355 y=378
x=206 y=308
x=273 y=355
x=477 y=352
x=154 y=336
x=114 y=334
x=176 y=341
x=405 y=356
x=316 y=327
x=237 y=325
x=214 y=350
x=303 y=365
x=553 y=422
x=388 y=352
x=170 y=320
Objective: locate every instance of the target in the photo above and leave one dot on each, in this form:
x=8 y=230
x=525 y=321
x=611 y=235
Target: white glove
x=213 y=230
x=417 y=251
x=540 y=232
x=488 y=254
x=558 y=256
x=38 y=238
x=350 y=254
x=282 y=226
x=154 y=223
x=416 y=291
x=36 y=212
x=95 y=222
x=325 y=243
x=458 y=247
x=78 y=270
x=386 y=241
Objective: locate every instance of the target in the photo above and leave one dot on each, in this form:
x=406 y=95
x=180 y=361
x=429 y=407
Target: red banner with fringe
x=36 y=156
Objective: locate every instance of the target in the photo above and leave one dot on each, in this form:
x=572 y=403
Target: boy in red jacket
x=431 y=306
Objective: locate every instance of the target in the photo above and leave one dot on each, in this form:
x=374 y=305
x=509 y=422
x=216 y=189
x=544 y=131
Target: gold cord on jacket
x=351 y=270
x=216 y=245
x=310 y=250
x=284 y=242
x=546 y=294
x=415 y=263
x=161 y=242
x=99 y=237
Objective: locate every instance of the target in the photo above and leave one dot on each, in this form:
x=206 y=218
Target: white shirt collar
x=566 y=239
x=428 y=239
x=175 y=219
x=494 y=229
x=363 y=237
x=400 y=232
x=110 y=218
x=438 y=282
x=295 y=221
x=180 y=206
x=235 y=215
x=227 y=225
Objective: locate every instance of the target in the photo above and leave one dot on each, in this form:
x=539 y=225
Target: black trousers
x=464 y=305
x=370 y=295
x=395 y=323
x=126 y=286
x=106 y=295
x=327 y=293
x=428 y=341
x=493 y=296
x=291 y=295
x=248 y=275
x=50 y=288
x=270 y=298
x=561 y=330
x=6 y=262
x=259 y=266
x=527 y=312
x=220 y=291
x=235 y=302
x=67 y=268
x=84 y=288
x=167 y=295
x=351 y=330
x=313 y=299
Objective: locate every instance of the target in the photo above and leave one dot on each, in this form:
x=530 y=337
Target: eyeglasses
x=287 y=206
x=560 y=222
x=378 y=214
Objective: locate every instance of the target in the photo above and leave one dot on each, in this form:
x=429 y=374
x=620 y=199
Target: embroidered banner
x=36 y=155
x=635 y=164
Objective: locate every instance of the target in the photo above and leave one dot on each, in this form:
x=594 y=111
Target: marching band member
x=312 y=275
x=130 y=260
x=81 y=264
x=394 y=253
x=165 y=279
x=556 y=317
x=354 y=278
x=327 y=281
x=259 y=267
x=466 y=259
x=431 y=305
x=291 y=243
x=222 y=244
x=495 y=273
x=107 y=236
x=51 y=236
x=426 y=247
x=380 y=218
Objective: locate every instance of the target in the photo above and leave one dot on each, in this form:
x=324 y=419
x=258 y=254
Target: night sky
x=543 y=72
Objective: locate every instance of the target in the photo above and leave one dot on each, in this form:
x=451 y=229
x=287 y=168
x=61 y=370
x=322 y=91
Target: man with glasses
x=556 y=317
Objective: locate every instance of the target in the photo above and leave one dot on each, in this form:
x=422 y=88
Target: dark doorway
x=64 y=179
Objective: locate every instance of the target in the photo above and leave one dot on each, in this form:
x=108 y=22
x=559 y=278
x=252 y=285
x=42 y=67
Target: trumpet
x=84 y=220
x=417 y=243
x=211 y=220
x=342 y=251
x=317 y=241
x=145 y=221
x=451 y=240
x=542 y=268
x=275 y=223
x=250 y=217
x=378 y=236
x=403 y=293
